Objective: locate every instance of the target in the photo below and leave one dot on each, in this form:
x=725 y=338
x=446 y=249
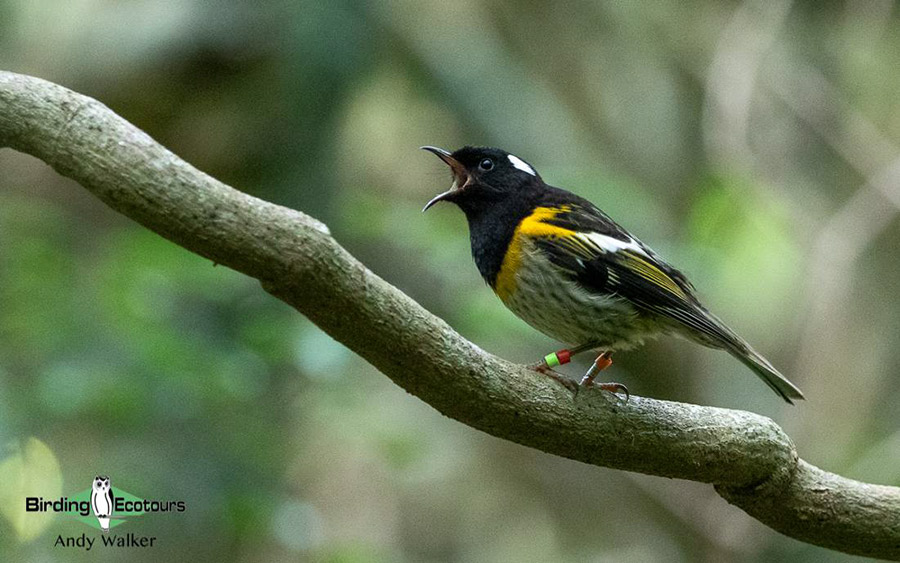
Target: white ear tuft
x=521 y=165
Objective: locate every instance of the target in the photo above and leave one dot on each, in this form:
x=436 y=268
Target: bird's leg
x=559 y=358
x=602 y=362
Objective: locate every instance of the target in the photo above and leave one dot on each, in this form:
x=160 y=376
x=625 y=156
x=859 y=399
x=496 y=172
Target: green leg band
x=551 y=360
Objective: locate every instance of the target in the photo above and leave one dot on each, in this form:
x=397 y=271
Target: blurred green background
x=754 y=144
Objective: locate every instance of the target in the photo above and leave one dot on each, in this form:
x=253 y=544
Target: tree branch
x=748 y=458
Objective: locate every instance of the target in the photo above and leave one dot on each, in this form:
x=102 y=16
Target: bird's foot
x=543 y=367
x=612 y=387
x=561 y=357
x=602 y=362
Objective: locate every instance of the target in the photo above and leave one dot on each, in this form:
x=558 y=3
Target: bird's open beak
x=460 y=175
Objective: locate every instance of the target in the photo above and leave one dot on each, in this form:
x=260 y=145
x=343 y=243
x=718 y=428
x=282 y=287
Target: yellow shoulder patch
x=533 y=225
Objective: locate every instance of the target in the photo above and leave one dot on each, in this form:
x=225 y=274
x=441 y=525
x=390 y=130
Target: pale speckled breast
x=561 y=309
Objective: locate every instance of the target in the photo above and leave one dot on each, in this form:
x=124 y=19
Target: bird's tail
x=713 y=332
x=761 y=367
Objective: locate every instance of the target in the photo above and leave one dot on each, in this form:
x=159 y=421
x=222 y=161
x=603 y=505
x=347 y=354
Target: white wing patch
x=610 y=244
x=521 y=164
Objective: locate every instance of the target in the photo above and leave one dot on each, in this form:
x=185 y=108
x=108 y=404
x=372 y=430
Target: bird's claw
x=611 y=387
x=587 y=381
x=542 y=367
x=614 y=388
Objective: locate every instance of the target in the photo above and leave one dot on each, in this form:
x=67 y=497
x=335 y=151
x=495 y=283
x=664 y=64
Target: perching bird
x=567 y=269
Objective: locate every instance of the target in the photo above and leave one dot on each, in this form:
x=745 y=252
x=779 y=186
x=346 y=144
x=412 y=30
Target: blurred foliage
x=31 y=470
x=750 y=143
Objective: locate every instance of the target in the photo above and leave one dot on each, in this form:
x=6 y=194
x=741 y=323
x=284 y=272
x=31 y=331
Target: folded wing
x=603 y=258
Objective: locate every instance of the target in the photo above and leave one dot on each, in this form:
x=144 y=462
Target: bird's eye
x=486 y=164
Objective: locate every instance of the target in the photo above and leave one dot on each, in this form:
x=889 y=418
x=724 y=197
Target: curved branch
x=748 y=458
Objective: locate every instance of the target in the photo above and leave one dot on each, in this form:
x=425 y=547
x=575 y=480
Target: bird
x=567 y=269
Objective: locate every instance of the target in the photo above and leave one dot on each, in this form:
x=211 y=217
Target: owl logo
x=102 y=501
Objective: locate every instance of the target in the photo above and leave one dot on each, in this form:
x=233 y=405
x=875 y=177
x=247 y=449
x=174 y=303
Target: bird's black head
x=483 y=177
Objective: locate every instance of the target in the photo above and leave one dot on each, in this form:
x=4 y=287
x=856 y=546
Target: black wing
x=603 y=258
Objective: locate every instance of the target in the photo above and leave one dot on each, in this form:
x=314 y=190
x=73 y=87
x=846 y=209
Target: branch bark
x=751 y=462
